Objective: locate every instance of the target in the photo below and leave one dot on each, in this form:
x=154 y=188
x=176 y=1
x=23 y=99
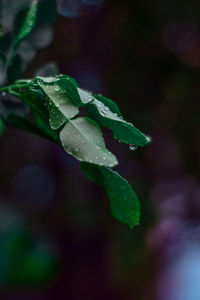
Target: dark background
x=146 y=56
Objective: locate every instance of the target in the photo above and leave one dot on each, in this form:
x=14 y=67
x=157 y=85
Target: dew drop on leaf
x=56 y=88
x=132 y=147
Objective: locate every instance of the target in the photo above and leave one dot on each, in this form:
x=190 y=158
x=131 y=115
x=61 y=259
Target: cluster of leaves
x=22 y=260
x=19 y=43
x=55 y=104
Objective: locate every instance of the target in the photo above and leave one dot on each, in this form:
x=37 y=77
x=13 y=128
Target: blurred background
x=58 y=239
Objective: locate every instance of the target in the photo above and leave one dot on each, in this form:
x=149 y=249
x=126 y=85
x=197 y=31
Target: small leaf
x=86 y=97
x=83 y=139
x=66 y=83
x=122 y=130
x=27 y=23
x=45 y=127
x=66 y=77
x=30 y=94
x=109 y=103
x=61 y=107
x=124 y=202
x=56 y=118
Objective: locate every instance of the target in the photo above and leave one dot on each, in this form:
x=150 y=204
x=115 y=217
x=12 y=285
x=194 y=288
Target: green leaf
x=24 y=124
x=123 y=201
x=66 y=83
x=56 y=118
x=61 y=107
x=83 y=139
x=26 y=23
x=106 y=113
x=109 y=103
x=45 y=127
x=70 y=86
x=30 y=94
x=122 y=130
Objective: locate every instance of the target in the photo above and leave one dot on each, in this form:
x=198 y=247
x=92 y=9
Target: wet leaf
x=83 y=139
x=109 y=103
x=61 y=107
x=122 y=130
x=123 y=201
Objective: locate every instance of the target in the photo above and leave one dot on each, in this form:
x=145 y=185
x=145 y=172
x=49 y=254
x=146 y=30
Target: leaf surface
x=83 y=139
x=61 y=107
x=123 y=201
x=27 y=23
x=122 y=130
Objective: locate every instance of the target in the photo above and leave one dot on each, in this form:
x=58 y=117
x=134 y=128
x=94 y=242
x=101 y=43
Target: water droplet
x=106 y=108
x=99 y=104
x=132 y=147
x=56 y=88
x=149 y=138
x=30 y=23
x=104 y=158
x=3 y=93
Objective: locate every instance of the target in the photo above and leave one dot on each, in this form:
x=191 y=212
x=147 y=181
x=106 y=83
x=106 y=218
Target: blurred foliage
x=18 y=47
x=21 y=262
